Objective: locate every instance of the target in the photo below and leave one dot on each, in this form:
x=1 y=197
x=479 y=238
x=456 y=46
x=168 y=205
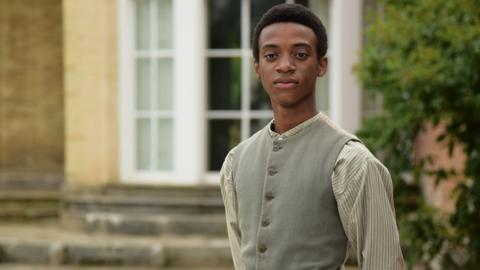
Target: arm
x=230 y=201
x=364 y=194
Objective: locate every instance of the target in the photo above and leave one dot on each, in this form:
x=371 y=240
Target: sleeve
x=364 y=193
x=230 y=201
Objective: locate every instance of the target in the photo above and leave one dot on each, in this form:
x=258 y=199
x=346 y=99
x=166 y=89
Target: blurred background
x=116 y=116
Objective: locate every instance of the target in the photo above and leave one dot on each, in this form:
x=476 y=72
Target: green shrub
x=423 y=58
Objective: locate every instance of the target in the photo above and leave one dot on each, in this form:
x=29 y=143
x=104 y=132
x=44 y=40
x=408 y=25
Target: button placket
x=272 y=172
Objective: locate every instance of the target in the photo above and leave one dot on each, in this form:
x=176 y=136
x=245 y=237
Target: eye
x=301 y=55
x=270 y=56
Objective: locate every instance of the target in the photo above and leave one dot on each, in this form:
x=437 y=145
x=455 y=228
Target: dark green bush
x=423 y=58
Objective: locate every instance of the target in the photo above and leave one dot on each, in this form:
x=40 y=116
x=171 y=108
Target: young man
x=301 y=190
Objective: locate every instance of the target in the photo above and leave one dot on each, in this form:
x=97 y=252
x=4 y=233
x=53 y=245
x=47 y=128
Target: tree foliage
x=423 y=58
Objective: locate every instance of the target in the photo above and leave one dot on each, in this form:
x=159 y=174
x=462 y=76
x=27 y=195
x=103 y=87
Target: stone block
x=134 y=226
x=33 y=253
x=206 y=255
x=109 y=254
x=211 y=225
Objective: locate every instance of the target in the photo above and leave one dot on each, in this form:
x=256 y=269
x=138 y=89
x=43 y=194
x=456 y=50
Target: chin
x=292 y=101
x=285 y=103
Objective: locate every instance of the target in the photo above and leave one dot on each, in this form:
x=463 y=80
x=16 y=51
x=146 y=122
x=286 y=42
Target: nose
x=285 y=65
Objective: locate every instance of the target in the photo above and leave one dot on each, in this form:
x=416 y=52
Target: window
x=188 y=90
x=146 y=82
x=237 y=104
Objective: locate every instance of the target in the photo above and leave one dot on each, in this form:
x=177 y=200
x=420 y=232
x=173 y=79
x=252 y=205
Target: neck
x=288 y=118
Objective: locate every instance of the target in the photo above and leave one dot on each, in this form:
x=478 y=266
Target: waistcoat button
x=262 y=248
x=269 y=196
x=277 y=148
x=272 y=171
x=265 y=222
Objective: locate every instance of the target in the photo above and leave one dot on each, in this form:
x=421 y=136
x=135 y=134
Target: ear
x=322 y=66
x=256 y=67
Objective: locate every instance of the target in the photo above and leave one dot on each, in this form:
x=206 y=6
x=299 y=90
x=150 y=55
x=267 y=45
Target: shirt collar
x=295 y=130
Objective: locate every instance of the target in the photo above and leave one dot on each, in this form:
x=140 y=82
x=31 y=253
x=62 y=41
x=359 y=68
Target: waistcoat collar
x=295 y=130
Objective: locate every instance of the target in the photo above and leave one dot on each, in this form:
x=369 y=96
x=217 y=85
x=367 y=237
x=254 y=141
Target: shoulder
x=354 y=153
x=355 y=165
x=227 y=167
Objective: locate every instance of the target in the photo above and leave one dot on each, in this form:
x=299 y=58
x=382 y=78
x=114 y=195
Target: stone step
x=144 y=204
x=29 y=196
x=139 y=199
x=146 y=224
x=164 y=190
x=28 y=205
x=17 y=213
x=146 y=210
x=48 y=245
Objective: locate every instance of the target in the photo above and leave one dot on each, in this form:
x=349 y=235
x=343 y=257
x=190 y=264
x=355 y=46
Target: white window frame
x=188 y=94
x=345 y=42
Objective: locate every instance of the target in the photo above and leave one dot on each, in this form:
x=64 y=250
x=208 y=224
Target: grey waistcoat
x=287 y=213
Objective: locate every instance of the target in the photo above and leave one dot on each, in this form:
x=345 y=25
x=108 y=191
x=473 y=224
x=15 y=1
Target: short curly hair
x=291 y=13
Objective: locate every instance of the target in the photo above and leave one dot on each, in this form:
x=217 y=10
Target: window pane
x=223 y=136
x=259 y=99
x=143 y=84
x=143 y=144
x=143 y=24
x=164 y=84
x=224 y=76
x=257 y=124
x=165 y=144
x=224 y=24
x=164 y=33
x=258 y=8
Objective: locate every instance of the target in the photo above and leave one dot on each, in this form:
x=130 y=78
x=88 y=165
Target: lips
x=285 y=83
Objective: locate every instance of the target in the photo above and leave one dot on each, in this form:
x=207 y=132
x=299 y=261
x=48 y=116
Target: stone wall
x=91 y=92
x=31 y=93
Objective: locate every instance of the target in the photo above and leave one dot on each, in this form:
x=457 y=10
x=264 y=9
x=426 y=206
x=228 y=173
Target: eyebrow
x=297 y=45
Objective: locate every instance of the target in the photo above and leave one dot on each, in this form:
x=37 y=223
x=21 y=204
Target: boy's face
x=288 y=65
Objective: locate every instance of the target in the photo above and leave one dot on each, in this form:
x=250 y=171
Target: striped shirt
x=364 y=193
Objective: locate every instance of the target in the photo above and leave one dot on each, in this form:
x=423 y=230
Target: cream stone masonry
x=91 y=98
